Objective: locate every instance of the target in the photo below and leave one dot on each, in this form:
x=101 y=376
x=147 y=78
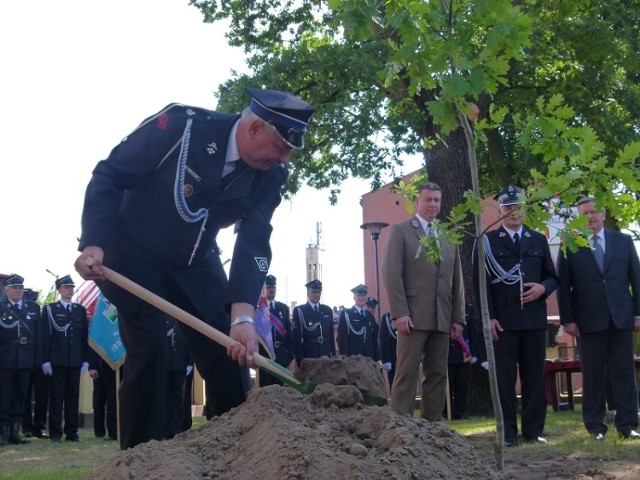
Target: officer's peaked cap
x=314 y=285
x=360 y=290
x=286 y=112
x=372 y=302
x=509 y=195
x=270 y=281
x=14 y=280
x=65 y=281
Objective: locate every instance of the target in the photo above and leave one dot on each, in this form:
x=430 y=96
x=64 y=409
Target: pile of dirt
x=281 y=434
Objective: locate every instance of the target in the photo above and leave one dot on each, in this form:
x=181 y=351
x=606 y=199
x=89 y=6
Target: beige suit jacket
x=432 y=294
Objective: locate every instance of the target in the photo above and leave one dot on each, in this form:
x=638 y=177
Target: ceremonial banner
x=263 y=328
x=104 y=335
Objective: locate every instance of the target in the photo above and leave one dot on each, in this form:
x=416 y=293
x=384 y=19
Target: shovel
x=207 y=330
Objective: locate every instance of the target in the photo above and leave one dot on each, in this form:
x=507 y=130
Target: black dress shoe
x=598 y=437
x=630 y=435
x=55 y=439
x=41 y=434
x=510 y=442
x=73 y=439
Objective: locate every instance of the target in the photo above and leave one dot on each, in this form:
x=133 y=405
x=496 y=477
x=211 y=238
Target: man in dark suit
x=427 y=303
x=312 y=326
x=357 y=328
x=599 y=300
x=65 y=357
x=152 y=212
x=520 y=276
x=280 y=331
x=19 y=337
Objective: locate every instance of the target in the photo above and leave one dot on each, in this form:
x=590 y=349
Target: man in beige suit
x=427 y=304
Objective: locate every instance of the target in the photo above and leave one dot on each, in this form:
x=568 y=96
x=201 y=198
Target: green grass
x=45 y=460
x=565 y=432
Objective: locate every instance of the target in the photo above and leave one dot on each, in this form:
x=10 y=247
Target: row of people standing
x=427 y=297
x=51 y=341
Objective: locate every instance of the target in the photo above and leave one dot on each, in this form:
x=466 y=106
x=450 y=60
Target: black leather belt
x=20 y=340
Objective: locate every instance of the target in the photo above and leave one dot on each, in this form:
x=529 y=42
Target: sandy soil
x=281 y=434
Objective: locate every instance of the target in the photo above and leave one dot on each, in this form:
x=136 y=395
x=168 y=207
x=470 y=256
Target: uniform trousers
x=522 y=352
x=13 y=390
x=64 y=400
x=608 y=351
x=432 y=349
x=104 y=403
x=36 y=404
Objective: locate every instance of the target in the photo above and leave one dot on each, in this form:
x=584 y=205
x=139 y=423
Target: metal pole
x=375 y=248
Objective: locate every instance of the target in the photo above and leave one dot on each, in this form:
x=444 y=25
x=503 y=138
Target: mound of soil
x=281 y=434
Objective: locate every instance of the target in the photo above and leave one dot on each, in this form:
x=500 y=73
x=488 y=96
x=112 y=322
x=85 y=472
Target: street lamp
x=374 y=228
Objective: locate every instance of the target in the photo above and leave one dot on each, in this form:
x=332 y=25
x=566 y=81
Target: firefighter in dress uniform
x=152 y=212
x=312 y=326
x=19 y=333
x=65 y=357
x=280 y=330
x=520 y=275
x=357 y=328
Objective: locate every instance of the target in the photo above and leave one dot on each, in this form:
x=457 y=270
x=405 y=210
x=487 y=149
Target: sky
x=78 y=76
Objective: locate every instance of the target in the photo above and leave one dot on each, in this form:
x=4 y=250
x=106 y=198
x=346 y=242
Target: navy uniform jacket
x=283 y=345
x=19 y=336
x=536 y=266
x=593 y=299
x=133 y=210
x=64 y=335
x=358 y=334
x=388 y=340
x=312 y=332
x=178 y=356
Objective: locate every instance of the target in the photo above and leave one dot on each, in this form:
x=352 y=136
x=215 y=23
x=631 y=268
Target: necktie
x=428 y=229
x=598 y=252
x=16 y=307
x=315 y=308
x=516 y=241
x=273 y=305
x=69 y=307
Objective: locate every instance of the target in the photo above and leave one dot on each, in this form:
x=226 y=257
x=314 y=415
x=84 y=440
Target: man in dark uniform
x=388 y=345
x=19 y=332
x=105 y=420
x=357 y=328
x=65 y=356
x=280 y=330
x=520 y=275
x=36 y=405
x=179 y=366
x=152 y=212
x=312 y=326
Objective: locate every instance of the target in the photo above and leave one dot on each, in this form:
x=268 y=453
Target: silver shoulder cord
x=497 y=273
x=390 y=328
x=178 y=190
x=9 y=326
x=55 y=325
x=350 y=327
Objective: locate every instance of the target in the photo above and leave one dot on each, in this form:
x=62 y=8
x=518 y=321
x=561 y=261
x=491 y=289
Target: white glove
x=85 y=367
x=46 y=368
x=474 y=360
x=485 y=365
x=189 y=369
x=387 y=366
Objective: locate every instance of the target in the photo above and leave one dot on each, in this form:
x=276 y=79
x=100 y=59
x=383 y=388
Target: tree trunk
x=448 y=166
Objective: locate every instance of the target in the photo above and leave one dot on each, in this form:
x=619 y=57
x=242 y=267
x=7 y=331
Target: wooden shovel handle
x=182 y=316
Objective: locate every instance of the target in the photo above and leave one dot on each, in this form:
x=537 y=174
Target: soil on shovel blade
x=281 y=434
